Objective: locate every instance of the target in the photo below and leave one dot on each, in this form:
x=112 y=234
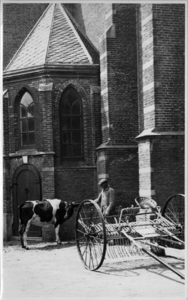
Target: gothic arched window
x=71 y=125
x=26 y=121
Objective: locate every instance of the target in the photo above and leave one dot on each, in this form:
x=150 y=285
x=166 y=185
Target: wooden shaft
x=162 y=262
x=152 y=255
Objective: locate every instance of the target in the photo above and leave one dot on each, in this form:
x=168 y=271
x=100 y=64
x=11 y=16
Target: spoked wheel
x=90 y=235
x=174 y=211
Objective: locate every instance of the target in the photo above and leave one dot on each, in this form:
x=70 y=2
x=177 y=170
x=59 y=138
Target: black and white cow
x=48 y=211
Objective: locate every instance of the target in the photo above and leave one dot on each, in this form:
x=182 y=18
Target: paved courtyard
x=51 y=272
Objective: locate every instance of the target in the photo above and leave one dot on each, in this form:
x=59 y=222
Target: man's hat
x=102 y=181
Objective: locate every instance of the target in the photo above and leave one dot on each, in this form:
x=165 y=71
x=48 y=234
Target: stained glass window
x=27 y=121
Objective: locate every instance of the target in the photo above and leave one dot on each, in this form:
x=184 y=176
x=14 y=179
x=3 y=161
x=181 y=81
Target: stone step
x=17 y=238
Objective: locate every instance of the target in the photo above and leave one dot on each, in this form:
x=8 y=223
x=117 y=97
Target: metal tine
x=114 y=250
x=116 y=247
x=111 y=252
x=118 y=242
x=108 y=252
x=127 y=250
x=131 y=250
x=121 y=247
x=124 y=247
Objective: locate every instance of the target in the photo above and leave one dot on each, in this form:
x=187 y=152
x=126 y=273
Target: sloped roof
x=55 y=39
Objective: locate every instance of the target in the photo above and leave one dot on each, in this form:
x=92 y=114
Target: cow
x=47 y=211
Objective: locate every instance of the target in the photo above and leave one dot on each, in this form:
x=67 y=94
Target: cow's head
x=68 y=208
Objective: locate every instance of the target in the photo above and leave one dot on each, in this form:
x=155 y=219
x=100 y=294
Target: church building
x=91 y=91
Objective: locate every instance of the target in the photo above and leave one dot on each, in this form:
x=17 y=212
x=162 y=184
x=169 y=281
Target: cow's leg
x=57 y=234
x=25 y=234
x=21 y=232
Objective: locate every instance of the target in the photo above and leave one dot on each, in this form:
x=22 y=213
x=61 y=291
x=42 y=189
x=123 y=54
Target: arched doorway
x=26 y=186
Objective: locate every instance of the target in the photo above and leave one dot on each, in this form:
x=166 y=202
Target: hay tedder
x=137 y=230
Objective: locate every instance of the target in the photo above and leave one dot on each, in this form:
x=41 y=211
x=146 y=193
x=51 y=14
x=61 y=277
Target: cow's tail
x=20 y=213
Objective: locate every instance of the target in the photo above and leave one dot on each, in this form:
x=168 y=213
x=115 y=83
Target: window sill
x=29 y=152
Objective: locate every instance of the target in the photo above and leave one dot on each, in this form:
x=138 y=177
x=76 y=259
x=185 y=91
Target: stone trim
x=105 y=54
x=151 y=133
x=48 y=169
x=104 y=91
x=103 y=146
x=148 y=64
x=147 y=19
x=29 y=153
x=86 y=69
x=104 y=175
x=110 y=13
x=95 y=89
x=104 y=73
x=147 y=193
x=111 y=31
x=101 y=158
x=146 y=170
x=148 y=86
x=44 y=87
x=149 y=109
x=147 y=42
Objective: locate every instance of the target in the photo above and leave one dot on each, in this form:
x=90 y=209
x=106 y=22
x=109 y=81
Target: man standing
x=106 y=198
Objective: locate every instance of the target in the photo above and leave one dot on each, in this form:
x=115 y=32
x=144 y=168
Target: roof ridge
x=29 y=34
x=49 y=33
x=75 y=32
x=79 y=27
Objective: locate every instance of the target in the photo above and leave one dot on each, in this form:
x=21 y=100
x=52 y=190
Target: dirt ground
x=51 y=272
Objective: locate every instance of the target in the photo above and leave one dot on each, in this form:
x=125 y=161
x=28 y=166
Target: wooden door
x=26 y=186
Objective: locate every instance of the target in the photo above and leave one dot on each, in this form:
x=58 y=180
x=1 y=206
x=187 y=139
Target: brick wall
x=167 y=159
x=169 y=43
x=76 y=183
x=139 y=45
x=120 y=166
x=146 y=66
x=123 y=175
x=119 y=75
x=160 y=40
x=82 y=173
x=7 y=208
x=45 y=104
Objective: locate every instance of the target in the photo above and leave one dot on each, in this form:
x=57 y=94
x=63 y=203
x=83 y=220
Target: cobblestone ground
x=51 y=272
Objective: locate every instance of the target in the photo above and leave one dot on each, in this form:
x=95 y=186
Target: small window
x=71 y=119
x=26 y=121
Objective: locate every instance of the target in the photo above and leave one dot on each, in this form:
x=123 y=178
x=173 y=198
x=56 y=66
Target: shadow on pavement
x=51 y=247
x=36 y=245
x=132 y=269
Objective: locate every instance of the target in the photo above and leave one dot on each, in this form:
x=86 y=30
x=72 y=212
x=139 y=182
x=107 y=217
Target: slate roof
x=55 y=39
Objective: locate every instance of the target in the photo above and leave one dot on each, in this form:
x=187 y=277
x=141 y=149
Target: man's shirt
x=107 y=199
